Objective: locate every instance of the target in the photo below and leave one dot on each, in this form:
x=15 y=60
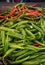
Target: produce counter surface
x=5 y=6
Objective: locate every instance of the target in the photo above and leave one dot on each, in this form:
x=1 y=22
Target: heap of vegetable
x=22 y=35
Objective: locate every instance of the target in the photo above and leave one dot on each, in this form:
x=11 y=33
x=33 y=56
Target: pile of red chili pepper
x=22 y=35
x=19 y=10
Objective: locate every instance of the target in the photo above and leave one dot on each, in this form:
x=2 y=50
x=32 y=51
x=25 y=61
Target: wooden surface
x=5 y=6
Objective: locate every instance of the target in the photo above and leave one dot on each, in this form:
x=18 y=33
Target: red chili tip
x=6 y=21
x=37 y=45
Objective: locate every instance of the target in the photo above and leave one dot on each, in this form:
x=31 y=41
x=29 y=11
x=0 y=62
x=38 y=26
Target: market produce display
x=22 y=35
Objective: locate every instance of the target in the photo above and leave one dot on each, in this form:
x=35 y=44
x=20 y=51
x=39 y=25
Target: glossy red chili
x=33 y=13
x=2 y=16
x=22 y=7
x=28 y=10
x=30 y=14
x=37 y=45
x=12 y=12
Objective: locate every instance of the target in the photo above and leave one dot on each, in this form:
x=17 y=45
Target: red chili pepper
x=28 y=10
x=12 y=8
x=18 y=15
x=30 y=14
x=37 y=45
x=12 y=12
x=22 y=7
x=6 y=21
x=2 y=16
x=43 y=10
x=39 y=14
x=33 y=12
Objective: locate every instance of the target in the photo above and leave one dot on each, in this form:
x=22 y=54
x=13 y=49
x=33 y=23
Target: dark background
x=5 y=6
x=26 y=0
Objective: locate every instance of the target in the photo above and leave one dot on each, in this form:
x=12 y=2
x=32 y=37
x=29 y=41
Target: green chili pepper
x=19 y=61
x=3 y=37
x=19 y=4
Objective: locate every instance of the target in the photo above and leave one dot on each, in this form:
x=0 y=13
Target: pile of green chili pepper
x=22 y=35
